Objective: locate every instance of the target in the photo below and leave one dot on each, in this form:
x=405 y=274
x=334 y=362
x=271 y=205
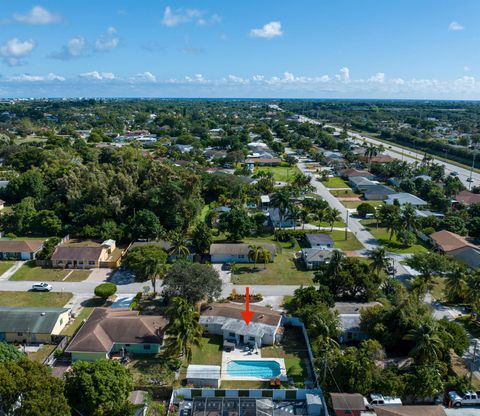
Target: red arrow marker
x=247 y=315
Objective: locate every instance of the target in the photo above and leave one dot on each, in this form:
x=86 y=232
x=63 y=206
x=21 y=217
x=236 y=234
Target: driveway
x=225 y=275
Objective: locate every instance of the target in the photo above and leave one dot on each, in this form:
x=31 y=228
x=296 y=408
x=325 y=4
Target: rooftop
x=405 y=198
x=20 y=246
x=316 y=239
x=238 y=248
x=32 y=320
x=449 y=241
x=468 y=198
x=348 y=401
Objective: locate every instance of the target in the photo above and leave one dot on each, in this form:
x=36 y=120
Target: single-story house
x=277 y=221
x=353 y=173
x=468 y=198
x=423 y=177
x=456 y=246
x=226 y=319
x=167 y=246
x=32 y=325
x=265 y=202
x=315 y=257
x=20 y=249
x=204 y=375
x=359 y=183
x=426 y=213
x=379 y=159
x=344 y=404
x=86 y=255
x=236 y=252
x=319 y=240
x=377 y=192
x=263 y=161
x=405 y=198
x=349 y=317
x=113 y=330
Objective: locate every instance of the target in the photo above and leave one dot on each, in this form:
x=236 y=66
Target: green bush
x=363 y=209
x=105 y=290
x=135 y=301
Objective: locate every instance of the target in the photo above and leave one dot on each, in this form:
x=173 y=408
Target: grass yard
x=336 y=224
x=355 y=204
x=35 y=299
x=293 y=350
x=392 y=245
x=5 y=265
x=208 y=353
x=152 y=371
x=243 y=384
x=280 y=173
x=29 y=271
x=335 y=182
x=350 y=244
x=438 y=289
x=283 y=271
x=346 y=193
x=43 y=352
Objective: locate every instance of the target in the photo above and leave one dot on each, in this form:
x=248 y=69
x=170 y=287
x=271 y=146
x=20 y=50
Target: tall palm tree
x=379 y=259
x=427 y=345
x=254 y=253
x=293 y=213
x=409 y=217
x=154 y=269
x=303 y=215
x=281 y=200
x=332 y=215
x=456 y=283
x=178 y=245
x=320 y=215
x=265 y=256
x=183 y=329
x=335 y=264
x=473 y=284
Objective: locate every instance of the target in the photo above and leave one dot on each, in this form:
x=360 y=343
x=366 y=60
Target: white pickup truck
x=469 y=398
x=379 y=400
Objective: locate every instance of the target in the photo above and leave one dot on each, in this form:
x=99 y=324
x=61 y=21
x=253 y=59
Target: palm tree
x=303 y=215
x=320 y=215
x=379 y=259
x=456 y=283
x=332 y=215
x=473 y=284
x=183 y=329
x=427 y=345
x=293 y=213
x=179 y=245
x=265 y=256
x=409 y=217
x=281 y=200
x=335 y=263
x=370 y=152
x=254 y=253
x=154 y=269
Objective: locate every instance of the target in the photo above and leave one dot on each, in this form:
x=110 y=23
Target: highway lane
x=409 y=156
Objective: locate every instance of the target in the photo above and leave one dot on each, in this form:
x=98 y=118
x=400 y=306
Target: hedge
x=105 y=290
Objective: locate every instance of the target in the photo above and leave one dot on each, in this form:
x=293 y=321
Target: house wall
x=18 y=255
x=137 y=348
x=89 y=356
x=375 y=196
x=203 y=382
x=30 y=338
x=62 y=321
x=75 y=264
x=216 y=329
x=229 y=258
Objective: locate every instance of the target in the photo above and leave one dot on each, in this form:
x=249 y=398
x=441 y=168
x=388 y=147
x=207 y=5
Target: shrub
x=105 y=290
x=363 y=209
x=428 y=230
x=136 y=300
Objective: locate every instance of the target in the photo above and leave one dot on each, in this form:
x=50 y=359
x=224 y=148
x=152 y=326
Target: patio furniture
x=228 y=346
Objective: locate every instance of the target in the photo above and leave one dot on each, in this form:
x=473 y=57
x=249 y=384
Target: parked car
x=454 y=173
x=469 y=398
x=42 y=287
x=379 y=400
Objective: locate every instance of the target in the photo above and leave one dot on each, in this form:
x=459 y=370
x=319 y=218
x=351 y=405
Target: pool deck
x=245 y=355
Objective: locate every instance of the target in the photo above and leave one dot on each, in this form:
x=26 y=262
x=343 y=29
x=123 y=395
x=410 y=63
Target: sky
x=422 y=49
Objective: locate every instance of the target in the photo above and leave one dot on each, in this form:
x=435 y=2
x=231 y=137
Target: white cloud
x=268 y=30
x=466 y=68
x=38 y=16
x=99 y=76
x=146 y=76
x=36 y=78
x=14 y=50
x=378 y=77
x=108 y=40
x=455 y=26
x=344 y=75
x=74 y=48
x=176 y=17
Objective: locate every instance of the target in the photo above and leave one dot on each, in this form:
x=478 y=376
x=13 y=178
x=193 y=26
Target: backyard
x=208 y=353
x=35 y=299
x=280 y=173
x=29 y=271
x=355 y=204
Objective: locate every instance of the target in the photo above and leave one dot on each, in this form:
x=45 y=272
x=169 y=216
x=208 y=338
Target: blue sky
x=248 y=48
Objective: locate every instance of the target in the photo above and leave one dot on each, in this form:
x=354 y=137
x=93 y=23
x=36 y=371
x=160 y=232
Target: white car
x=42 y=287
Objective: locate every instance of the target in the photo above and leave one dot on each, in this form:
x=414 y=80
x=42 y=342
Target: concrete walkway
x=12 y=270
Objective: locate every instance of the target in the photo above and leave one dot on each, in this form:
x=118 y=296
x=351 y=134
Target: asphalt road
x=409 y=156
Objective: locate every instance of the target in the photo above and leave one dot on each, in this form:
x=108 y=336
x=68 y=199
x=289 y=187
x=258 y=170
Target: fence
x=50 y=360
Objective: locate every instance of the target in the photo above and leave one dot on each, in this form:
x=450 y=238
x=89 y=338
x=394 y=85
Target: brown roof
x=20 y=246
x=107 y=326
x=410 y=411
x=448 y=241
x=77 y=253
x=262 y=315
x=355 y=172
x=468 y=198
x=347 y=401
x=239 y=248
x=263 y=160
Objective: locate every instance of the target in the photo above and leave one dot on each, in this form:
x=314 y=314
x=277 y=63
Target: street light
x=470 y=180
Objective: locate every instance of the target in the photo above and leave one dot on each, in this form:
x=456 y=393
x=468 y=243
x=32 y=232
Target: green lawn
x=40 y=274
x=438 y=290
x=335 y=182
x=280 y=173
x=325 y=224
x=283 y=271
x=392 y=245
x=5 y=265
x=43 y=352
x=345 y=193
x=350 y=244
x=35 y=299
x=151 y=371
x=208 y=353
x=355 y=204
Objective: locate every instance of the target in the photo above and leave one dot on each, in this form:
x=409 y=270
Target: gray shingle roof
x=316 y=239
x=32 y=320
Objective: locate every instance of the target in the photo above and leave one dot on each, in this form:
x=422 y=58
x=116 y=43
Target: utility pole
x=473 y=166
x=472 y=366
x=346 y=226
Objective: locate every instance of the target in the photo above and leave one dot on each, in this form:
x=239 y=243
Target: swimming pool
x=253 y=368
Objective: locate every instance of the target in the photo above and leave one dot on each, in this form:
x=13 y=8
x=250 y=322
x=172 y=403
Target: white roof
x=257 y=144
x=210 y=372
x=265 y=199
x=108 y=243
x=405 y=198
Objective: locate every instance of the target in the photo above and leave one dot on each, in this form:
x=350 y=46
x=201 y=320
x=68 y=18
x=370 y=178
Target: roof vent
x=261 y=316
x=43 y=314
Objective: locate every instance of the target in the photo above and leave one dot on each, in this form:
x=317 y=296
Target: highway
x=409 y=156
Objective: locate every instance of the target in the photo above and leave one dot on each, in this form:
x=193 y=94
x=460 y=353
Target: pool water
x=253 y=368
